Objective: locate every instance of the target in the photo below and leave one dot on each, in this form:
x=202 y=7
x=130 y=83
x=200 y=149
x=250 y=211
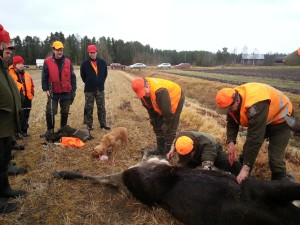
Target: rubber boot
x=13 y=170
x=50 y=121
x=279 y=176
x=166 y=150
x=5 y=189
x=7 y=207
x=63 y=119
x=160 y=143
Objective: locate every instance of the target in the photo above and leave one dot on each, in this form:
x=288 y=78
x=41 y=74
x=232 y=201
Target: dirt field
x=52 y=201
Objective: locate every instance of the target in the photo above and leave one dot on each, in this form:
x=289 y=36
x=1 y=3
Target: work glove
x=207 y=165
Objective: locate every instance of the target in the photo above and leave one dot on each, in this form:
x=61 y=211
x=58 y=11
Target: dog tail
x=114 y=179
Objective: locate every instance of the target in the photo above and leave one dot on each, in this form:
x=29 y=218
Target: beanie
x=6 y=37
x=18 y=59
x=138 y=86
x=224 y=97
x=92 y=48
x=184 y=145
x=57 y=45
x=1 y=33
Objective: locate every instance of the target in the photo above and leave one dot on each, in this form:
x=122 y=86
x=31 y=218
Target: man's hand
x=171 y=152
x=233 y=153
x=244 y=173
x=48 y=93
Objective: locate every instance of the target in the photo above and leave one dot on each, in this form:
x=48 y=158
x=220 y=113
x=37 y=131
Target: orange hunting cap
x=57 y=45
x=138 y=86
x=184 y=145
x=224 y=97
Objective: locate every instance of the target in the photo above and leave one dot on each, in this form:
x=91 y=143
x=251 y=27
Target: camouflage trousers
x=90 y=97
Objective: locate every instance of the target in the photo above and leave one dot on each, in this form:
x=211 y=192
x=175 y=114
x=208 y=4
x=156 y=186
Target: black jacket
x=93 y=81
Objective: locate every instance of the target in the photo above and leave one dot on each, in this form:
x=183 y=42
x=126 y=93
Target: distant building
x=252 y=59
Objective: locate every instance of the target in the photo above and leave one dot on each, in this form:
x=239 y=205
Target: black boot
x=50 y=121
x=280 y=176
x=166 y=150
x=160 y=143
x=7 y=207
x=5 y=189
x=64 y=119
x=13 y=170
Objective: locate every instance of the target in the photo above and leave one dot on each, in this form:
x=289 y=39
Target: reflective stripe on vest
x=252 y=93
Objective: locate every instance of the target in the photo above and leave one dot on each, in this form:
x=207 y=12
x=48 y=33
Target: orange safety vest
x=173 y=89
x=59 y=84
x=28 y=87
x=251 y=93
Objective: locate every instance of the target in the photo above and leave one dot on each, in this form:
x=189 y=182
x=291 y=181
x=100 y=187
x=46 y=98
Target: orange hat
x=224 y=97
x=184 y=145
x=18 y=59
x=138 y=86
x=57 y=45
x=92 y=48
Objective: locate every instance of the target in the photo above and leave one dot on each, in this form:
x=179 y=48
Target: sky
x=248 y=26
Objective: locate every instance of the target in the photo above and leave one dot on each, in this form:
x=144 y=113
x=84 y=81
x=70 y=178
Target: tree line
x=127 y=53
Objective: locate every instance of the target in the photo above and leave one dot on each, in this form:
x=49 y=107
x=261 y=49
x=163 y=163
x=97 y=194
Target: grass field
x=52 y=201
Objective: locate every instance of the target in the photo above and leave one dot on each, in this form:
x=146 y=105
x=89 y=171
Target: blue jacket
x=93 y=81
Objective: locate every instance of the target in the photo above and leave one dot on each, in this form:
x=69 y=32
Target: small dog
x=117 y=136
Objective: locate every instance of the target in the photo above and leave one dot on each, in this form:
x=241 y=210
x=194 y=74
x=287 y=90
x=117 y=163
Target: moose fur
x=206 y=197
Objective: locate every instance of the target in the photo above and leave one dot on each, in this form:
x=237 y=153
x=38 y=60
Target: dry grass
x=53 y=201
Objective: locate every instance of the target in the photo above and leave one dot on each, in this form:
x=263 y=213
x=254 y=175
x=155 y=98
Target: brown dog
x=117 y=136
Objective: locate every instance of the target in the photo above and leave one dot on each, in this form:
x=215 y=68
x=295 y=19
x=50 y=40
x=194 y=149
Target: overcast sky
x=269 y=26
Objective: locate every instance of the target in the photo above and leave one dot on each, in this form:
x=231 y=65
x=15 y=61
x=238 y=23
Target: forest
x=126 y=53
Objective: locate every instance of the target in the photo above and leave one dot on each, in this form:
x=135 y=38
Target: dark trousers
x=170 y=134
x=25 y=112
x=51 y=110
x=90 y=98
x=279 y=136
x=5 y=153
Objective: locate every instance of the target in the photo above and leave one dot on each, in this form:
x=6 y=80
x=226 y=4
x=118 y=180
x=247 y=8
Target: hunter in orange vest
x=25 y=86
x=164 y=101
x=262 y=109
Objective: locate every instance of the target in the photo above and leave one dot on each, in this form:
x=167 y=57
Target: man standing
x=200 y=149
x=59 y=83
x=93 y=72
x=164 y=101
x=10 y=105
x=262 y=109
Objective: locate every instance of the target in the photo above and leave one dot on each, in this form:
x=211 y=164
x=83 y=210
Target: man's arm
x=257 y=117
x=164 y=103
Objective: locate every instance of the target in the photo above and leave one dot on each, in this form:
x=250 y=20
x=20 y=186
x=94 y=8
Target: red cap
x=18 y=59
x=6 y=37
x=1 y=33
x=224 y=97
x=92 y=48
x=138 y=86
